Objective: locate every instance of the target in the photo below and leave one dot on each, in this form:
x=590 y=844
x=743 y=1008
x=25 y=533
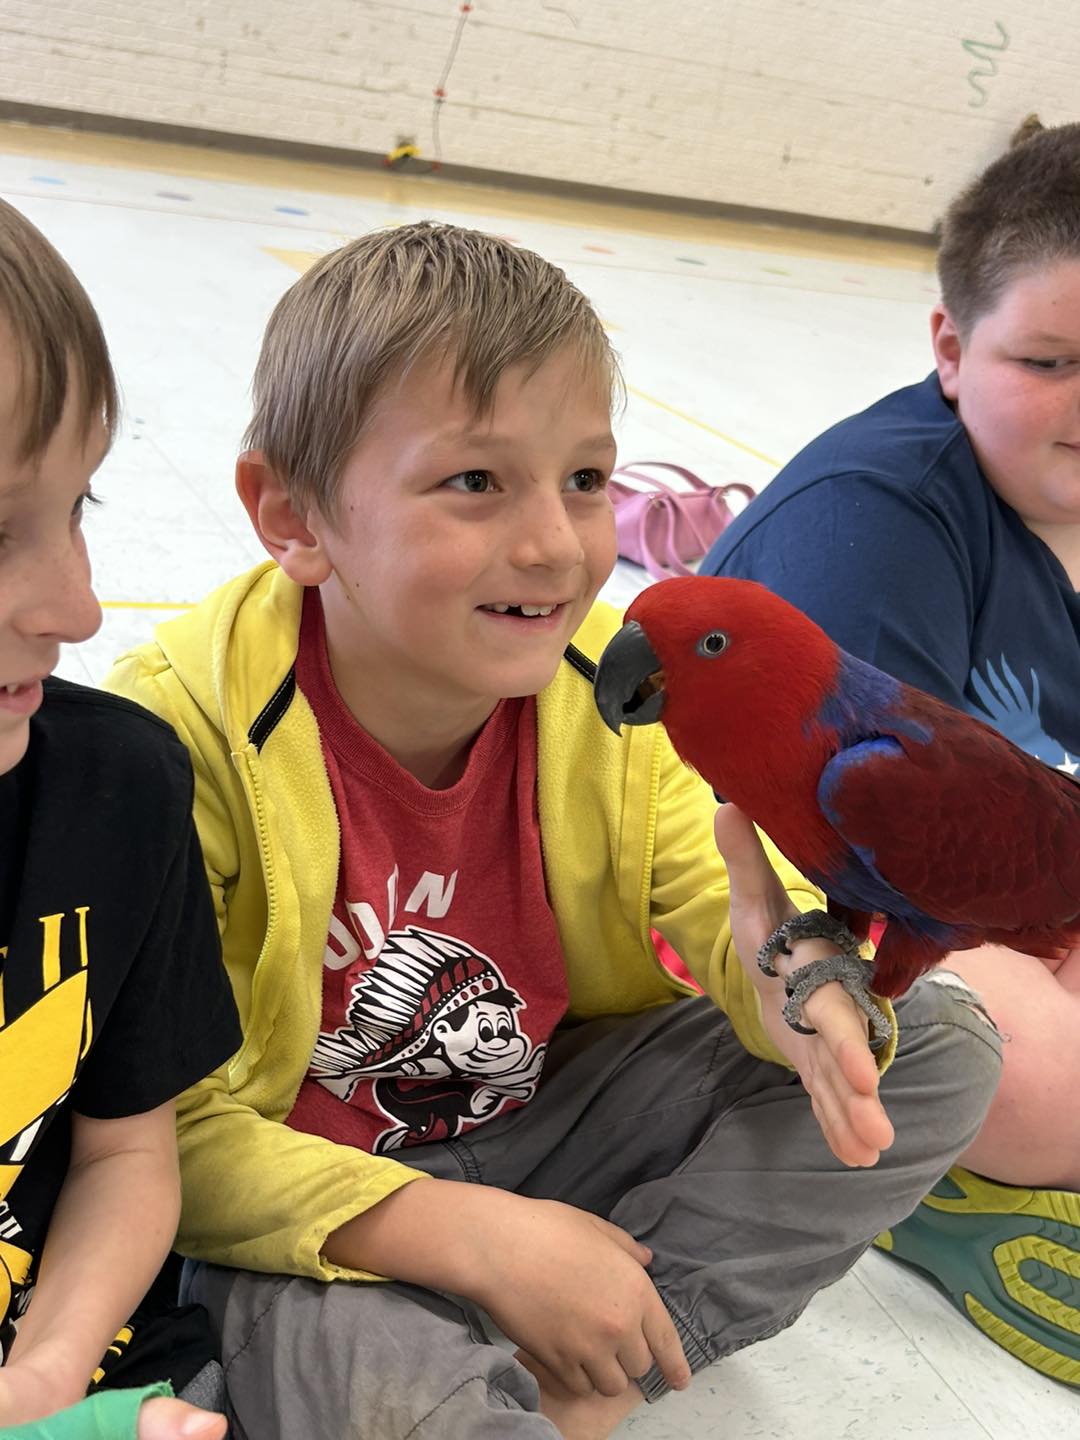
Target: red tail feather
x=901 y=958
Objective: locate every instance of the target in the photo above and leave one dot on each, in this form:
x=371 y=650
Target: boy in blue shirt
x=937 y=535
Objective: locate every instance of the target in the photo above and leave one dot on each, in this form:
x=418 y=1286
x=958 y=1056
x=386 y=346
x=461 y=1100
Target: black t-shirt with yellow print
x=113 y=998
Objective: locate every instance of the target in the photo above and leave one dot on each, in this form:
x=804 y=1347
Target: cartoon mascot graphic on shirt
x=433 y=1025
x=40 y=1052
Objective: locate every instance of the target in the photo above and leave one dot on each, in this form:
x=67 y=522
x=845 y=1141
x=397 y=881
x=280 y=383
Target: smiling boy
x=937 y=535
x=436 y=876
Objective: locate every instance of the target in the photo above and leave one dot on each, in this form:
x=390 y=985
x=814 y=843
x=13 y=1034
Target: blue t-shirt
x=885 y=531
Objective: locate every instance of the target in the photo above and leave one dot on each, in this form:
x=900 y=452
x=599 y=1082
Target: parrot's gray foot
x=852 y=973
x=848 y=968
x=813 y=925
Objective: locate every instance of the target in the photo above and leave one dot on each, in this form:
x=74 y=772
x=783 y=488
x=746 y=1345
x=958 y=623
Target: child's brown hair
x=362 y=315
x=57 y=337
x=1021 y=213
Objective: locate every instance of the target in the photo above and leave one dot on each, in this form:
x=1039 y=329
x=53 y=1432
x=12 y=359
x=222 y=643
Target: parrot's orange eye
x=713 y=644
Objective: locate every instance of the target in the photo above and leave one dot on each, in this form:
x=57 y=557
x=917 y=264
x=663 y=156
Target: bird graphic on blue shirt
x=1007 y=706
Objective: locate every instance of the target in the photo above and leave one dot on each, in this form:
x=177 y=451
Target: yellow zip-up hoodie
x=627 y=842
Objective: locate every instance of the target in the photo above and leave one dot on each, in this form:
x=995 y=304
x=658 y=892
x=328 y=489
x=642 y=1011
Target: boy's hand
x=836 y=1066
x=572 y=1290
x=27 y=1395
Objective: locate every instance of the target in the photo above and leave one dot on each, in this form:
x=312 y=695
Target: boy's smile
x=466 y=552
x=1016 y=385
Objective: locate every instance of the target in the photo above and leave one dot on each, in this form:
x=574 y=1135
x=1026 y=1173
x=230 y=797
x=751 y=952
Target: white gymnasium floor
x=739 y=344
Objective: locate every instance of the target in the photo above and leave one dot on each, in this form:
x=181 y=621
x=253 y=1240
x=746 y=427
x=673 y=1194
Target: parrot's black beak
x=629 y=684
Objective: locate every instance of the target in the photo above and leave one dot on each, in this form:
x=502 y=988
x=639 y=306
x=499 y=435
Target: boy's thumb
x=163 y=1419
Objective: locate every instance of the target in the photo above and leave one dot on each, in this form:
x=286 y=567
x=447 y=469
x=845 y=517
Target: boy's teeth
x=530 y=610
x=11 y=689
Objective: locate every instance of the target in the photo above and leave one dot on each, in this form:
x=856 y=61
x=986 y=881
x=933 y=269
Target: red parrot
x=892 y=802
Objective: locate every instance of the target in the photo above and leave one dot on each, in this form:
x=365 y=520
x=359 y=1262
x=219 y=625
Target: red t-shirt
x=443 y=976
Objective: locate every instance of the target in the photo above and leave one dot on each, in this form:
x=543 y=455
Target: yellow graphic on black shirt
x=40 y=1052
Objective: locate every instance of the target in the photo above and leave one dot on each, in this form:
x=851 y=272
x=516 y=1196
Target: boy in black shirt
x=112 y=995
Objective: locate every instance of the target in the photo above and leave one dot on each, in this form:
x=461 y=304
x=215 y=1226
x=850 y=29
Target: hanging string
x=406 y=150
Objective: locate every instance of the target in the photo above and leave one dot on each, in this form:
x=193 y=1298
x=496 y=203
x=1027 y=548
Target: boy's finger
x=749 y=871
x=842 y=1029
x=634 y=1356
x=665 y=1346
x=855 y=1126
x=634 y=1248
x=871 y=1123
x=857 y=1063
x=829 y=1113
x=606 y=1374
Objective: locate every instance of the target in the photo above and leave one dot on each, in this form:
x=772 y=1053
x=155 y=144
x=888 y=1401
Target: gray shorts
x=664 y=1124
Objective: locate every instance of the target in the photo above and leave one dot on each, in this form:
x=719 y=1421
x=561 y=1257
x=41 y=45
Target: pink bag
x=663 y=528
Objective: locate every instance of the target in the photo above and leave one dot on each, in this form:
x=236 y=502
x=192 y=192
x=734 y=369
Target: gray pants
x=664 y=1124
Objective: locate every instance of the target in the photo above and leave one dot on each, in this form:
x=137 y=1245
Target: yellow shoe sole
x=1008 y=1258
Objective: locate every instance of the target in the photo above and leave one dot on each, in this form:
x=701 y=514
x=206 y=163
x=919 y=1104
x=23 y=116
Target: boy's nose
x=548 y=536
x=64 y=606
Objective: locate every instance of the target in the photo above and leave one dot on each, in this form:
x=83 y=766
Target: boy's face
x=445 y=519
x=45 y=594
x=1016 y=385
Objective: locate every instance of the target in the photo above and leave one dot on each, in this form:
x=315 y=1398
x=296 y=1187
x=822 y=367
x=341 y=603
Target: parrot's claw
x=814 y=924
x=852 y=973
x=848 y=968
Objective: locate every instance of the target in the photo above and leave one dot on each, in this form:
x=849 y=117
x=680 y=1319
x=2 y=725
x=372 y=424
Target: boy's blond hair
x=1022 y=212
x=57 y=337
x=362 y=315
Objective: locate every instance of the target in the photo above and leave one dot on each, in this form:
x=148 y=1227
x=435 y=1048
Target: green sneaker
x=1008 y=1258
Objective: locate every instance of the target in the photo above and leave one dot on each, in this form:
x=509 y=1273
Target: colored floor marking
x=147 y=604
x=171 y=195
x=598 y=249
x=48 y=180
x=703 y=425
x=291 y=210
x=774 y=270
x=300 y=260
x=688 y=260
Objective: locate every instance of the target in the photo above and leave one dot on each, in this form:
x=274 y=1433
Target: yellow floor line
x=703 y=425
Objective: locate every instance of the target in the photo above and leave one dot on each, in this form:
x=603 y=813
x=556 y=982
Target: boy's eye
x=78 y=510
x=474 y=482
x=1047 y=366
x=587 y=482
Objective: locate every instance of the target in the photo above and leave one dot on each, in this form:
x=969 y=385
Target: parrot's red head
x=732 y=670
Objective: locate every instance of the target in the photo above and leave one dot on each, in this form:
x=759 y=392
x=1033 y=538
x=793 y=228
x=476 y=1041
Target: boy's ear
x=285 y=534
x=947 y=344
